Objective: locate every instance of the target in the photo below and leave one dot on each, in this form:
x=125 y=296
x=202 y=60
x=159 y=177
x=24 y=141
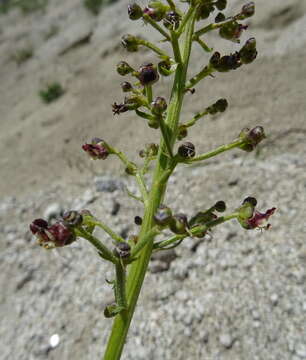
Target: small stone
x=274 y=299
x=54 y=341
x=300 y=350
x=108 y=184
x=53 y=211
x=226 y=340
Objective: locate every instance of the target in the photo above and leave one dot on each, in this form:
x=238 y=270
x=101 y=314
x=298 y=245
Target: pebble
x=300 y=350
x=226 y=340
x=274 y=299
x=108 y=183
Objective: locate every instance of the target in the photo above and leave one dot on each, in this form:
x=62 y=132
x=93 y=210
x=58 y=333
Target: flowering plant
x=130 y=258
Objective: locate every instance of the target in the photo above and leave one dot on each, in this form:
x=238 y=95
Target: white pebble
x=54 y=340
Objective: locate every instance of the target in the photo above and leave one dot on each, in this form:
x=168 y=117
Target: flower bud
x=164 y=68
x=229 y=62
x=248 y=52
x=123 y=68
x=51 y=236
x=131 y=169
x=149 y=151
x=156 y=10
x=247 y=11
x=138 y=220
x=126 y=86
x=182 y=132
x=163 y=216
x=221 y=4
x=251 y=137
x=72 y=218
x=232 y=30
x=220 y=206
x=186 y=150
x=159 y=105
x=220 y=17
x=134 y=11
x=219 y=106
x=204 y=11
x=122 y=250
x=133 y=101
x=172 y=20
x=179 y=224
x=201 y=218
x=215 y=59
x=98 y=149
x=130 y=42
x=250 y=200
x=147 y=74
x=110 y=310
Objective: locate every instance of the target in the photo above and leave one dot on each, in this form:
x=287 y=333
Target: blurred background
x=237 y=295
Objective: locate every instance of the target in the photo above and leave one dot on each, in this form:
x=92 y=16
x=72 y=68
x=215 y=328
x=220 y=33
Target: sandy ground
x=41 y=162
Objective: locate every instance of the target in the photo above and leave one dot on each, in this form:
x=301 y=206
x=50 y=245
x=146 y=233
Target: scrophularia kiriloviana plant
x=130 y=258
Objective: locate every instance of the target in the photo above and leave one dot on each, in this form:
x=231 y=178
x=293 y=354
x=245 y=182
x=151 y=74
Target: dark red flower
x=97 y=149
x=56 y=235
x=259 y=220
x=249 y=218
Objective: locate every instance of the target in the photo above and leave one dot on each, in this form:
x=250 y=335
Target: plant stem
x=215 y=152
x=139 y=267
x=156 y=26
x=107 y=229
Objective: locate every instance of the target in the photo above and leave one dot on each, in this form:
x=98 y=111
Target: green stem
x=97 y=244
x=154 y=48
x=206 y=71
x=195 y=118
x=108 y=230
x=203 y=45
x=194 y=231
x=156 y=26
x=120 y=285
x=184 y=21
x=149 y=93
x=215 y=152
x=139 y=267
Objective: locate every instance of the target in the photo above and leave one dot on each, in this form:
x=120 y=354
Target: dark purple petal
x=258 y=220
x=38 y=225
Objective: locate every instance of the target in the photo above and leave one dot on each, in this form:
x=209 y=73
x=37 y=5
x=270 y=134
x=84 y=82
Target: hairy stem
x=138 y=268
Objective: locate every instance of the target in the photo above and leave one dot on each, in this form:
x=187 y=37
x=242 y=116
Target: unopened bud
x=123 y=68
x=232 y=30
x=163 y=216
x=220 y=17
x=221 y=4
x=138 y=220
x=156 y=10
x=251 y=137
x=247 y=11
x=130 y=43
x=150 y=150
x=126 y=86
x=134 y=11
x=186 y=150
x=159 y=105
x=131 y=169
x=182 y=132
x=179 y=224
x=248 y=52
x=219 y=106
x=147 y=74
x=204 y=11
x=164 y=68
x=220 y=206
x=72 y=218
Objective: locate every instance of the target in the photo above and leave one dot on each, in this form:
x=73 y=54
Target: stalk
x=138 y=268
